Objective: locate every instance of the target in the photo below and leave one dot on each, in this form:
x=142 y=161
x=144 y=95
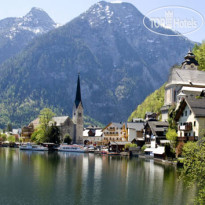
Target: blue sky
x=62 y=11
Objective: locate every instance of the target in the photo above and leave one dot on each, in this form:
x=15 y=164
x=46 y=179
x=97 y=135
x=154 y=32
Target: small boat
x=72 y=148
x=113 y=153
x=104 y=151
x=32 y=147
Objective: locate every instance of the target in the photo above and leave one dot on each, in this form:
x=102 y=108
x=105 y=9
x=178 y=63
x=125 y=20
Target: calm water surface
x=70 y=178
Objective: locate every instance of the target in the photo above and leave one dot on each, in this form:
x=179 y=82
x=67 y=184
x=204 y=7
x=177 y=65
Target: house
x=187 y=80
x=74 y=127
x=93 y=135
x=155 y=131
x=150 y=116
x=115 y=132
x=135 y=132
x=190 y=116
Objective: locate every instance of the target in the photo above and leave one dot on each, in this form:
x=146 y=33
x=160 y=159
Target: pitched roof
x=60 y=120
x=197 y=106
x=186 y=77
x=157 y=126
x=78 y=94
x=135 y=125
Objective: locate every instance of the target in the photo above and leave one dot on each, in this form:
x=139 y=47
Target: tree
x=199 y=52
x=67 y=139
x=11 y=138
x=45 y=117
x=38 y=136
x=172 y=136
x=52 y=134
x=9 y=127
x=194 y=167
x=4 y=137
x=47 y=131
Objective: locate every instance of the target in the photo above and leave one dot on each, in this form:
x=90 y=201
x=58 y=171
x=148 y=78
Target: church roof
x=78 y=94
x=190 y=58
x=60 y=120
x=186 y=77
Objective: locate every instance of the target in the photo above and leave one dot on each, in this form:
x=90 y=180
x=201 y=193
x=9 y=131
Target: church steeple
x=190 y=62
x=78 y=116
x=78 y=94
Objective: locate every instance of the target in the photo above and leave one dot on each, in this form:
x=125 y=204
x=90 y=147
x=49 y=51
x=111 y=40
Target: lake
x=70 y=178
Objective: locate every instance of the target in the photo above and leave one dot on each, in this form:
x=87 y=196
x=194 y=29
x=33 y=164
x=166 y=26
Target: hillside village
x=184 y=103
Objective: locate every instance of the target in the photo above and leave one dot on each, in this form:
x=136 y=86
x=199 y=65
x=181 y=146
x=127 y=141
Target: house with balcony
x=155 y=132
x=190 y=116
x=115 y=132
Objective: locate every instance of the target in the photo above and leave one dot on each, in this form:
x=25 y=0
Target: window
x=190 y=112
x=194 y=134
x=194 y=123
x=185 y=113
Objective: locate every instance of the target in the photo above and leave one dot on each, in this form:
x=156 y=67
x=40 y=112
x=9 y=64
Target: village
x=184 y=103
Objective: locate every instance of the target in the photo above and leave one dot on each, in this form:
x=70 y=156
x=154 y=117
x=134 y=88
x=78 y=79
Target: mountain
x=119 y=60
x=152 y=103
x=16 y=33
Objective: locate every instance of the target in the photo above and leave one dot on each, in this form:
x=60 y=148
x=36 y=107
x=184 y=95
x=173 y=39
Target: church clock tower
x=78 y=116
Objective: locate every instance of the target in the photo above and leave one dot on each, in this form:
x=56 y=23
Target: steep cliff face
x=119 y=60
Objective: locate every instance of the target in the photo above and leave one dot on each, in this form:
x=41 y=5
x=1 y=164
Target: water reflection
x=76 y=178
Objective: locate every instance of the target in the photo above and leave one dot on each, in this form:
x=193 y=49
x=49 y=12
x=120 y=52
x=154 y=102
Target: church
x=73 y=127
x=184 y=82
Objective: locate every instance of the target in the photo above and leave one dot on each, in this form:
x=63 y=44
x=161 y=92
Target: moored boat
x=71 y=148
x=33 y=147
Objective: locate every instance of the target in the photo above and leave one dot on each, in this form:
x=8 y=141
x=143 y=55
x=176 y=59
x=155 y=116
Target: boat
x=104 y=151
x=33 y=147
x=113 y=153
x=71 y=148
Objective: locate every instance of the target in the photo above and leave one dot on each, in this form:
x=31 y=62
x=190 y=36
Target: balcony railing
x=189 y=138
x=187 y=127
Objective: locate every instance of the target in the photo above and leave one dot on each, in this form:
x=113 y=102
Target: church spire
x=78 y=93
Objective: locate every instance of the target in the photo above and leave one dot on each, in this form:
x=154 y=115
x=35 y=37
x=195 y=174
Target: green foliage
x=143 y=148
x=53 y=135
x=194 y=167
x=130 y=145
x=9 y=127
x=38 y=136
x=172 y=136
x=11 y=138
x=152 y=103
x=4 y=137
x=199 y=52
x=67 y=139
x=171 y=117
x=45 y=117
x=90 y=121
x=46 y=132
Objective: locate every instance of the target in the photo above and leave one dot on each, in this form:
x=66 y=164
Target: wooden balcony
x=186 y=127
x=186 y=139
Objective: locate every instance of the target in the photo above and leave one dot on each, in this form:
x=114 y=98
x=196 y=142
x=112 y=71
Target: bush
x=143 y=147
x=11 y=138
x=67 y=139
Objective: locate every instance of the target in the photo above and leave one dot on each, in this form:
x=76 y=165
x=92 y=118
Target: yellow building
x=115 y=132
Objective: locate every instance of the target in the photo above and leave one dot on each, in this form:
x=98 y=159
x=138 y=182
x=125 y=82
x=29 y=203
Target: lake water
x=70 y=178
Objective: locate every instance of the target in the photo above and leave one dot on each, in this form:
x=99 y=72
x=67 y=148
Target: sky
x=62 y=11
